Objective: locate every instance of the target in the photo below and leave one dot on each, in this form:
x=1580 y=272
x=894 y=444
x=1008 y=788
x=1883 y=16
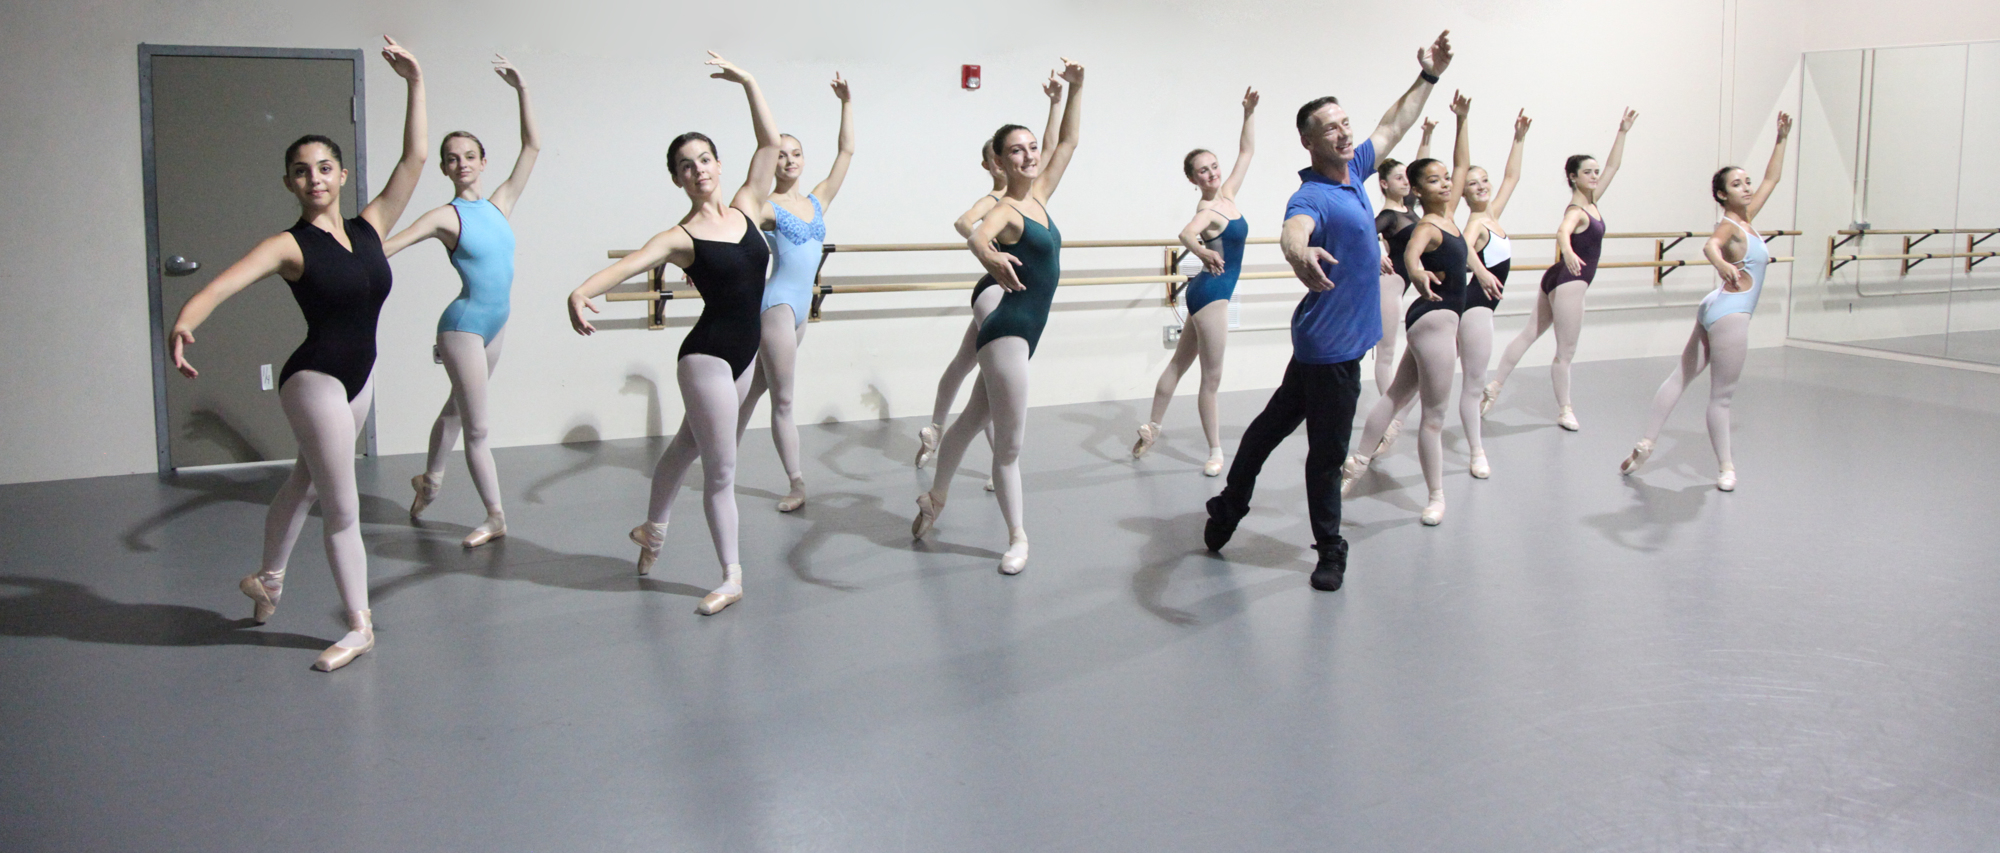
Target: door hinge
x=354 y=110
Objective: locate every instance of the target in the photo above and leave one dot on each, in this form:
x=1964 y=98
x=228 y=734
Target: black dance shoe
x=1221 y=525
x=1332 y=568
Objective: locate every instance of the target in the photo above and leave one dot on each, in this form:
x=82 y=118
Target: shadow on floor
x=70 y=611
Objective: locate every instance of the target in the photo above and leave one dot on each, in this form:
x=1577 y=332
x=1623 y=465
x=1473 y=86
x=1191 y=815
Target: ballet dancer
x=1579 y=243
x=1023 y=254
x=1492 y=258
x=1437 y=259
x=1721 y=336
x=983 y=302
x=340 y=278
x=796 y=231
x=480 y=245
x=1395 y=219
x=1216 y=236
x=1329 y=239
x=726 y=263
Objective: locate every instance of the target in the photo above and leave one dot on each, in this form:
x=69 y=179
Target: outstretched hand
x=1488 y=282
x=181 y=338
x=1437 y=57
x=1521 y=123
x=1250 y=99
x=1430 y=124
x=1311 y=269
x=578 y=302
x=1072 y=72
x=726 y=70
x=1625 y=124
x=1053 y=88
x=507 y=71
x=1004 y=275
x=839 y=87
x=401 y=60
x=1461 y=105
x=1784 y=125
x=1427 y=282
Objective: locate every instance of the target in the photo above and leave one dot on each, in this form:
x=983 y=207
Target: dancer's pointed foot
x=1567 y=419
x=1488 y=397
x=359 y=641
x=928 y=508
x=1388 y=438
x=1640 y=453
x=1148 y=434
x=989 y=484
x=650 y=537
x=1434 y=511
x=494 y=527
x=796 y=499
x=1726 y=481
x=1016 y=559
x=426 y=485
x=1213 y=467
x=264 y=589
x=1481 y=469
x=927 y=443
x=730 y=592
x=1350 y=473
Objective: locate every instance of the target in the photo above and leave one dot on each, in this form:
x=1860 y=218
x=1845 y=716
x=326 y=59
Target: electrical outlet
x=1170 y=336
x=264 y=376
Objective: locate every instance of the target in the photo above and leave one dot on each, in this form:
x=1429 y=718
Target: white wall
x=615 y=80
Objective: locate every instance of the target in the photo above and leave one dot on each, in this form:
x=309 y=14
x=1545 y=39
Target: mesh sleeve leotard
x=1394 y=227
x=1721 y=303
x=1448 y=260
x=798 y=245
x=341 y=293
x=1588 y=245
x=1498 y=256
x=1205 y=288
x=1023 y=313
x=730 y=278
x=485 y=263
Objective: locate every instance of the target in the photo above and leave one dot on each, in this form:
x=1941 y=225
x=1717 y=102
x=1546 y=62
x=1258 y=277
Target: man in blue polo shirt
x=1329 y=239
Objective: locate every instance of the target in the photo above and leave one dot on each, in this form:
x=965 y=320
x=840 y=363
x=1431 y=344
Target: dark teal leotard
x=1023 y=313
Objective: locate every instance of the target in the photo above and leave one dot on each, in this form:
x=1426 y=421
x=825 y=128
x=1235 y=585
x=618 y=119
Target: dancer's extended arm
x=1403 y=115
x=1512 y=177
x=387 y=207
x=531 y=141
x=672 y=246
x=1071 y=133
x=277 y=255
x=836 y=176
x=1461 y=154
x=1774 y=171
x=1211 y=259
x=1617 y=155
x=1573 y=218
x=754 y=198
x=1424 y=238
x=1246 y=148
x=1295 y=241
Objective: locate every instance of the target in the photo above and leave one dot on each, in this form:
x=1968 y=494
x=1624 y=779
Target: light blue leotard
x=1721 y=303
x=485 y=263
x=1205 y=288
x=795 y=249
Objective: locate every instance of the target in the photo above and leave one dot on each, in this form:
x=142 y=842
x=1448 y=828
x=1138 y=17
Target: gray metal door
x=215 y=123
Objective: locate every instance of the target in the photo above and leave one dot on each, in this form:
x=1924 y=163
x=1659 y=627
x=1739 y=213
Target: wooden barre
x=1925 y=231
x=1915 y=256
x=836 y=248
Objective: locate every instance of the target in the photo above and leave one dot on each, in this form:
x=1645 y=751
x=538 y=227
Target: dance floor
x=1574 y=661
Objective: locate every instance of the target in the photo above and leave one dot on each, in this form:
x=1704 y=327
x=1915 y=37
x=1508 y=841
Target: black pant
x=1323 y=396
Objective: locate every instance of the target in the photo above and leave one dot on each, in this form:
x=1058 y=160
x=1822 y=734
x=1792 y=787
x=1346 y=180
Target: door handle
x=179 y=266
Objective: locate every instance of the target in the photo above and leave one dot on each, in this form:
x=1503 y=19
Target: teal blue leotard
x=485 y=263
x=1205 y=288
x=1721 y=303
x=797 y=248
x=1023 y=313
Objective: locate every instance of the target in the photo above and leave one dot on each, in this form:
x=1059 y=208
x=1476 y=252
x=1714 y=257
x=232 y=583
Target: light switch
x=264 y=376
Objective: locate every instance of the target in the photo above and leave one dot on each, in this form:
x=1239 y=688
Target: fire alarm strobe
x=968 y=77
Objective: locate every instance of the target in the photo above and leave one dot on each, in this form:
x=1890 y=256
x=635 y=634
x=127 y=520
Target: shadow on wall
x=206 y=426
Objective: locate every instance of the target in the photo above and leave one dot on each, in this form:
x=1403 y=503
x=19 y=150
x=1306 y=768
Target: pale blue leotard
x=485 y=263
x=1721 y=303
x=795 y=249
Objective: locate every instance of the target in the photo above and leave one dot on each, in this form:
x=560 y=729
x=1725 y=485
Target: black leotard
x=1448 y=261
x=341 y=293
x=1394 y=227
x=730 y=278
x=1024 y=313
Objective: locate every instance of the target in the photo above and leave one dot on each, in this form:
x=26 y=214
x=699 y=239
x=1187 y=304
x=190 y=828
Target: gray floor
x=1982 y=346
x=1572 y=662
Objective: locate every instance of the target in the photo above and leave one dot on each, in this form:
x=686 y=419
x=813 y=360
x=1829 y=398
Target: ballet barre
x=1908 y=257
x=657 y=293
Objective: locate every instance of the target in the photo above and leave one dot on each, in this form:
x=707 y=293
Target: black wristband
x=1427 y=77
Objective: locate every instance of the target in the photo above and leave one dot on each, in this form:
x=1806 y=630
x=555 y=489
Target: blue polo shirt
x=1344 y=323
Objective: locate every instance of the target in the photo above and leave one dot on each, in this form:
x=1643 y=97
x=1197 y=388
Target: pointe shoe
x=1567 y=419
x=1350 y=473
x=1640 y=453
x=1434 y=512
x=1388 y=438
x=264 y=600
x=1015 y=560
x=730 y=592
x=927 y=443
x=1148 y=434
x=485 y=533
x=650 y=538
x=989 y=484
x=927 y=513
x=794 y=500
x=1481 y=469
x=1488 y=397
x=427 y=491
x=337 y=656
x=1727 y=480
x=1213 y=467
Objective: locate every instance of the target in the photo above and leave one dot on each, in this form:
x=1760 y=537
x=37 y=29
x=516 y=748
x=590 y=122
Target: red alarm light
x=968 y=77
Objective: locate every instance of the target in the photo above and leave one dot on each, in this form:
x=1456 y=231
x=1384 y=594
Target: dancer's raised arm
x=1051 y=129
x=1461 y=154
x=1773 y=171
x=672 y=246
x=1617 y=155
x=755 y=195
x=836 y=176
x=531 y=140
x=1403 y=115
x=1512 y=177
x=1246 y=148
x=388 y=205
x=278 y=254
x=1072 y=130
